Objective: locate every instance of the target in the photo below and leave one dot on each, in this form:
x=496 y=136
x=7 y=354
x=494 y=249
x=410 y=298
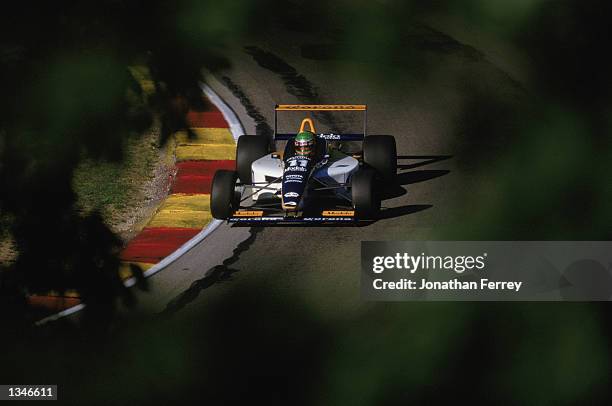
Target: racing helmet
x=305 y=143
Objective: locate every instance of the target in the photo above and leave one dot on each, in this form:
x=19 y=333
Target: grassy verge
x=7 y=250
x=127 y=192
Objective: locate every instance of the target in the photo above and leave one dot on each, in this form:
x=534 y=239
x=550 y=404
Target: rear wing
x=323 y=107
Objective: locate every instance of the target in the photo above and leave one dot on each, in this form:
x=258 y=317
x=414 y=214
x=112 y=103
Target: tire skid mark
x=216 y=274
x=223 y=272
x=445 y=43
x=296 y=84
x=420 y=37
x=261 y=124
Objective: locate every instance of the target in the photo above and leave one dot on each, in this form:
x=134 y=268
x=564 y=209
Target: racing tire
x=249 y=149
x=366 y=199
x=224 y=200
x=380 y=154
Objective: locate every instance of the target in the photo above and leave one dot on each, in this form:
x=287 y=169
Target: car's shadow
x=407 y=178
x=393 y=212
x=398 y=188
x=424 y=160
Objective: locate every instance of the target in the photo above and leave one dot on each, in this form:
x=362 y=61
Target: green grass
x=120 y=191
x=117 y=189
x=7 y=246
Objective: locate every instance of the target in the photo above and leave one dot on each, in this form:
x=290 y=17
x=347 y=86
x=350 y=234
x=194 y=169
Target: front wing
x=258 y=217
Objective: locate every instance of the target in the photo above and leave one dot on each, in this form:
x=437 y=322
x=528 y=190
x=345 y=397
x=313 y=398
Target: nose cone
x=295 y=178
x=290 y=205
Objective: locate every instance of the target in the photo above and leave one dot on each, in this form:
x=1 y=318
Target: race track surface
x=428 y=106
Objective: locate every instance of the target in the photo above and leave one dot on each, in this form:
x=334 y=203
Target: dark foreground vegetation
x=68 y=95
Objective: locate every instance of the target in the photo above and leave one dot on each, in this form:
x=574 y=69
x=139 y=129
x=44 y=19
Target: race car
x=312 y=180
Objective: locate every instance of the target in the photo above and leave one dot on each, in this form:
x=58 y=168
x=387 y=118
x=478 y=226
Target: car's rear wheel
x=249 y=149
x=380 y=153
x=366 y=200
x=224 y=200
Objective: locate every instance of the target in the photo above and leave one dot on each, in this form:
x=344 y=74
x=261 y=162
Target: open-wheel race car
x=312 y=180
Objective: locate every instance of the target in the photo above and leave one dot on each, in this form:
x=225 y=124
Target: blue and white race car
x=310 y=181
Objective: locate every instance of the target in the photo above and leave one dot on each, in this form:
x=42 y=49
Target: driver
x=305 y=144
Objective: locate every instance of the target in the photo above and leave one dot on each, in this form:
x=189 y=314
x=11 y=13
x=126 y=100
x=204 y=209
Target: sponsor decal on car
x=274 y=219
x=296 y=165
x=321 y=107
x=327 y=219
x=291 y=194
x=338 y=213
x=249 y=213
x=295 y=169
x=330 y=136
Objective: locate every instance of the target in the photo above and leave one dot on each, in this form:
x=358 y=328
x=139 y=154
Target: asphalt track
x=423 y=107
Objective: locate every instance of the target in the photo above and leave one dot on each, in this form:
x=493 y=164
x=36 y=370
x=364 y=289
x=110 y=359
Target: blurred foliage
x=272 y=346
x=71 y=98
x=539 y=167
x=552 y=180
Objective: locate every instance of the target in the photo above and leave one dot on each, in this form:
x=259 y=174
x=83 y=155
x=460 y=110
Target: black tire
x=380 y=153
x=250 y=148
x=366 y=199
x=223 y=197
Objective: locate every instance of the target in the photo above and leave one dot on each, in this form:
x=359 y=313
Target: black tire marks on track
x=296 y=84
x=216 y=274
x=261 y=124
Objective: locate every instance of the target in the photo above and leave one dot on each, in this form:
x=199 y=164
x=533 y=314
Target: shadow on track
x=218 y=273
x=426 y=160
x=393 y=212
x=408 y=178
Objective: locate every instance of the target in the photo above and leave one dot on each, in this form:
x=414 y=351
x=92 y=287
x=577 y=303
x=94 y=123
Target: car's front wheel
x=224 y=199
x=380 y=153
x=249 y=149
x=366 y=199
